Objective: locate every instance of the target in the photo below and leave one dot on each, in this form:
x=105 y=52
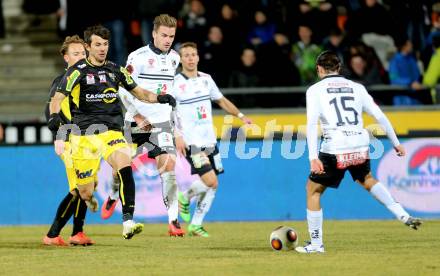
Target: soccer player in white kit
x=194 y=92
x=153 y=67
x=337 y=103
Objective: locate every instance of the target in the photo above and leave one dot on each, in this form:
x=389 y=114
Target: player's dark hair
x=188 y=44
x=70 y=40
x=329 y=61
x=164 y=20
x=98 y=30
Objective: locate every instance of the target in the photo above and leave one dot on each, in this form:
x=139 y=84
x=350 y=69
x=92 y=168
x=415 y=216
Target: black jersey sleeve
x=70 y=80
x=52 y=90
x=125 y=79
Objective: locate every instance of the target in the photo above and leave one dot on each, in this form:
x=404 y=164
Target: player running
x=153 y=67
x=338 y=104
x=194 y=92
x=72 y=50
x=92 y=86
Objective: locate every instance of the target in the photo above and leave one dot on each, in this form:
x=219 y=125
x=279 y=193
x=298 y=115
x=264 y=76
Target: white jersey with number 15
x=337 y=103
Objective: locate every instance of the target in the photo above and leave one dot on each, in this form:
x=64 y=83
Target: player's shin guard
x=64 y=212
x=127 y=192
x=169 y=194
x=79 y=216
x=204 y=203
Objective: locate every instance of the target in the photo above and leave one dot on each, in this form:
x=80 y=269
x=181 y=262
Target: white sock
x=114 y=194
x=169 y=194
x=197 y=187
x=203 y=205
x=383 y=196
x=314 y=221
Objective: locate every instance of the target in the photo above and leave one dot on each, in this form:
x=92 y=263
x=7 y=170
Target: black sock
x=127 y=192
x=64 y=212
x=79 y=216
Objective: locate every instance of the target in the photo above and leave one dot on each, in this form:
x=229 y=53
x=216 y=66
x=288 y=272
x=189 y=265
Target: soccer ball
x=283 y=238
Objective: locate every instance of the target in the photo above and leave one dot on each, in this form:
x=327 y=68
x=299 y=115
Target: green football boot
x=183 y=207
x=197 y=231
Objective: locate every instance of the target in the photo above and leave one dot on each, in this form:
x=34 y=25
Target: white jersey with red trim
x=194 y=96
x=152 y=70
x=337 y=104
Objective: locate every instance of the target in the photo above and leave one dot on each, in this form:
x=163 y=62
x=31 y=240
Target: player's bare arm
x=55 y=103
x=144 y=95
x=150 y=97
x=230 y=108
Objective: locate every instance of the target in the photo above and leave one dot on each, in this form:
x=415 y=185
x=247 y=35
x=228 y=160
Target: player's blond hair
x=187 y=45
x=71 y=40
x=164 y=20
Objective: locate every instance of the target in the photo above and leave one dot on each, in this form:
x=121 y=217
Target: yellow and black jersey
x=65 y=113
x=93 y=93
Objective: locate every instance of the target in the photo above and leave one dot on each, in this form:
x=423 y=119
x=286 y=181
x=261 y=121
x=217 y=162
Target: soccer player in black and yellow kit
x=92 y=86
x=72 y=50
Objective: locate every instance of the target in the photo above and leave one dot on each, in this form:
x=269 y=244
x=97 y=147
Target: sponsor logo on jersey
x=83 y=175
x=90 y=79
x=201 y=113
x=102 y=78
x=414 y=181
x=109 y=95
x=151 y=63
x=161 y=89
x=81 y=66
x=174 y=63
x=112 y=76
x=115 y=142
x=182 y=87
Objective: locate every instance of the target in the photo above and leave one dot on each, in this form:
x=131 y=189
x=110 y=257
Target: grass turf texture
x=353 y=248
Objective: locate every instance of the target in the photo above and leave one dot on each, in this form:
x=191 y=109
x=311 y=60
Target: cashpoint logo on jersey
x=414 y=180
x=149 y=202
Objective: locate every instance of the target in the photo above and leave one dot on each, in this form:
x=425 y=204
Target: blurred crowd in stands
x=247 y=43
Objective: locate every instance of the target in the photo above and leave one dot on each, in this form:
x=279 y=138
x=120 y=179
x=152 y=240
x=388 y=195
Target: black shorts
x=333 y=176
x=215 y=162
x=150 y=140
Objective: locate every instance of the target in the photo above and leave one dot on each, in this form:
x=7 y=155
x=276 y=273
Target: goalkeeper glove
x=166 y=99
x=54 y=122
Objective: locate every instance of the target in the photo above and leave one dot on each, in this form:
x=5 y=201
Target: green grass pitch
x=237 y=248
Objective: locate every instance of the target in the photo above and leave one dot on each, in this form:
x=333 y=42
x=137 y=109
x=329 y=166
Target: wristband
x=240 y=115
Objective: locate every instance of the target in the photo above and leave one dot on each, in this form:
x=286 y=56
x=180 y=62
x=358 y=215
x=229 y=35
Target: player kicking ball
x=197 y=141
x=338 y=104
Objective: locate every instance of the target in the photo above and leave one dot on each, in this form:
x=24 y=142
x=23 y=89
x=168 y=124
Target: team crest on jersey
x=201 y=113
x=174 y=63
x=102 y=78
x=182 y=87
x=151 y=62
x=90 y=79
x=112 y=76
